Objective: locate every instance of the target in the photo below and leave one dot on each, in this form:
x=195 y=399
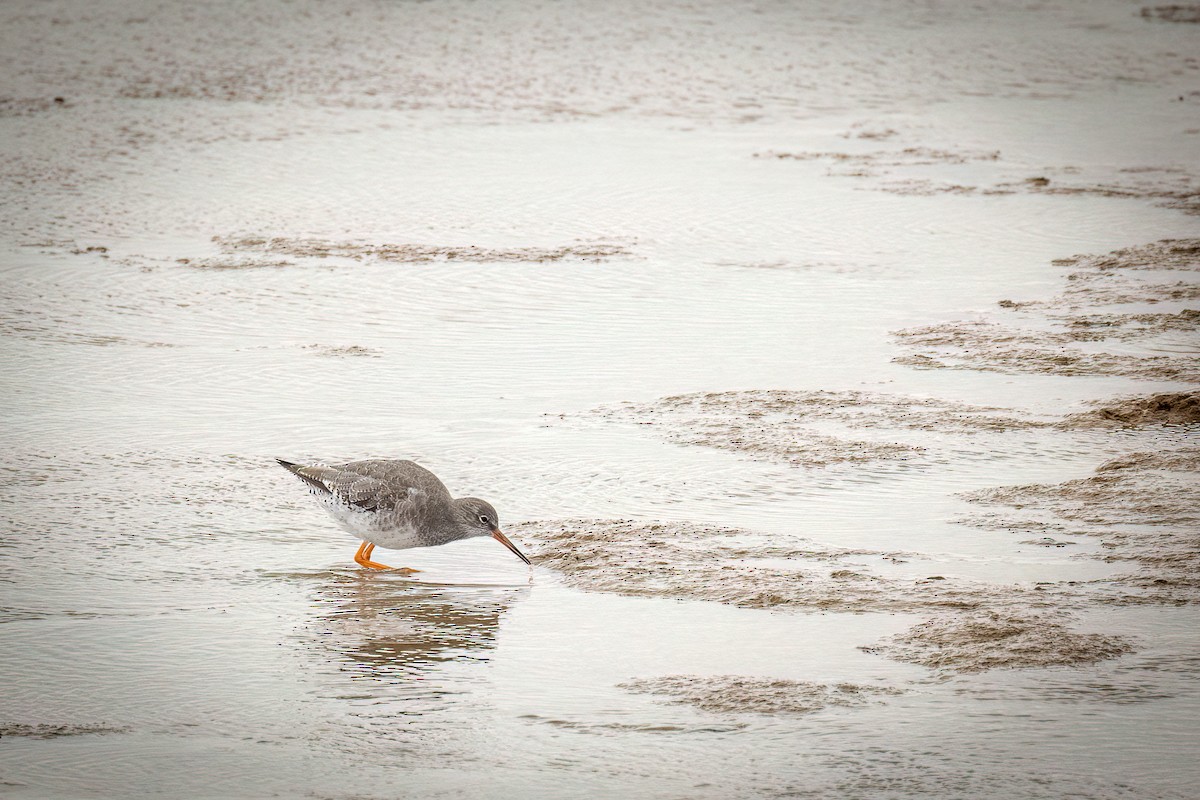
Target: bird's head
x=477 y=518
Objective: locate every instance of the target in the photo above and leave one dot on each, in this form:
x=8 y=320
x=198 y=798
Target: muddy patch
x=1049 y=541
x=1179 y=192
x=920 y=187
x=343 y=351
x=1158 y=272
x=736 y=694
x=1171 y=254
x=881 y=162
x=992 y=347
x=629 y=727
x=1087 y=293
x=48 y=731
x=1131 y=327
x=1094 y=691
x=1168 y=187
x=990 y=640
x=234 y=261
x=924 y=171
x=41 y=324
x=1187 y=12
x=1072 y=333
x=751 y=570
x=266 y=249
x=1149 y=488
x=1166 y=408
x=1144 y=508
x=29 y=106
x=793 y=427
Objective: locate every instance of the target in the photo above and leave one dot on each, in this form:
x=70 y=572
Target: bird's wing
x=371 y=485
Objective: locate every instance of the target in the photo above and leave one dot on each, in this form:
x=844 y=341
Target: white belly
x=372 y=527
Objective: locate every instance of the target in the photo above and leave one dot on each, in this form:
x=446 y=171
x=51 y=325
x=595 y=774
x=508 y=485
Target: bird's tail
x=313 y=476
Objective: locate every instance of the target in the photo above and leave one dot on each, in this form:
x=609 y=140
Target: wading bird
x=397 y=505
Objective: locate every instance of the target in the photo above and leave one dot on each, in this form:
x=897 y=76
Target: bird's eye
x=483 y=518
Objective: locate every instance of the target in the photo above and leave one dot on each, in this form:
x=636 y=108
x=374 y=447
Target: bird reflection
x=391 y=630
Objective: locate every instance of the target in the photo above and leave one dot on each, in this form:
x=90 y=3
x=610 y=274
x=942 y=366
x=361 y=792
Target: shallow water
x=222 y=249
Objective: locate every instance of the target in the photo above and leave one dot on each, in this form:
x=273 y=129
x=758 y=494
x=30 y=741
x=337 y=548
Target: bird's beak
x=502 y=539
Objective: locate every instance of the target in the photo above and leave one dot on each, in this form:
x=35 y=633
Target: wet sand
x=836 y=367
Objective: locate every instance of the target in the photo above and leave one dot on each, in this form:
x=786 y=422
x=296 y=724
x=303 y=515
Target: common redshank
x=397 y=505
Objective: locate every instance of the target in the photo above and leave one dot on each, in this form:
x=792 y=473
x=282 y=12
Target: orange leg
x=363 y=558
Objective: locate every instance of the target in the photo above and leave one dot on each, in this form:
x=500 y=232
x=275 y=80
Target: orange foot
x=363 y=558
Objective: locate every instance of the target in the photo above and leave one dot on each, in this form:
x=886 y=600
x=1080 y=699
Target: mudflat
x=836 y=366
